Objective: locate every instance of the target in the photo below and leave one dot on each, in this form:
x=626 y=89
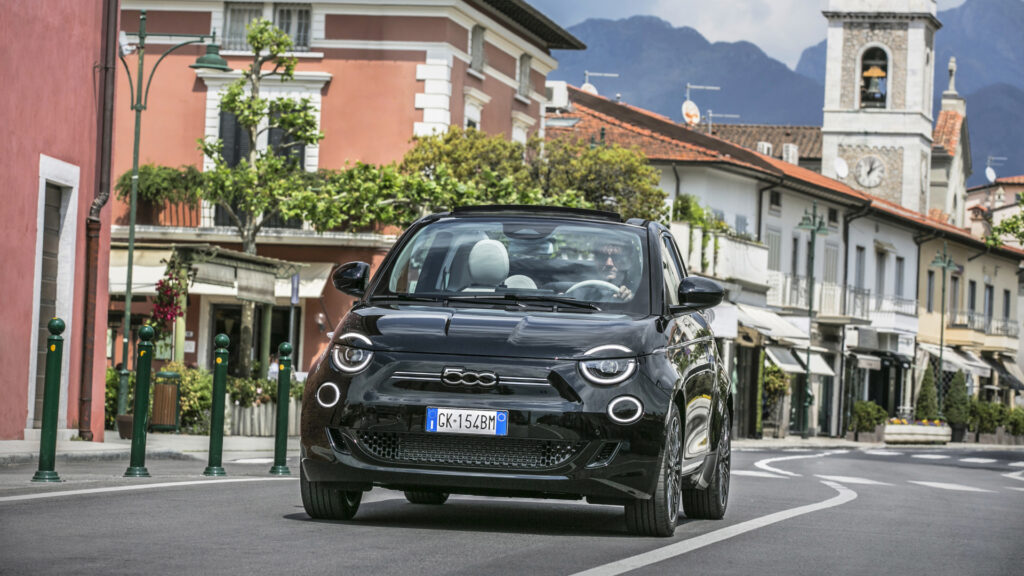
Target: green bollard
x=284 y=382
x=51 y=403
x=137 y=465
x=220 y=383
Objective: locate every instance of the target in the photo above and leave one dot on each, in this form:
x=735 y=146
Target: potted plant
x=927 y=407
x=955 y=406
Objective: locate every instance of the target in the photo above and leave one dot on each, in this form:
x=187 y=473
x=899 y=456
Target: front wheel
x=658 y=515
x=710 y=503
x=326 y=503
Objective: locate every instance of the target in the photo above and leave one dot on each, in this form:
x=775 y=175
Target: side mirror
x=696 y=293
x=351 y=278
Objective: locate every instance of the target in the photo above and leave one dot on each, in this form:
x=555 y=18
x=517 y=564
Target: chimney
x=791 y=153
x=764 y=148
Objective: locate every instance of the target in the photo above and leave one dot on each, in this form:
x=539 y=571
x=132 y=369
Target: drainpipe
x=672 y=208
x=105 y=126
x=760 y=204
x=844 y=406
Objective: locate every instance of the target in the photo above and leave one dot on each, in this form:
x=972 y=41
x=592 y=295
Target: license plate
x=459 y=421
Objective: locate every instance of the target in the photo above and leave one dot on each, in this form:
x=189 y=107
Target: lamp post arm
x=131 y=82
x=145 y=97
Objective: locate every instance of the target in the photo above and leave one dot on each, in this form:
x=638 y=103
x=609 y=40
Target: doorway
x=227 y=319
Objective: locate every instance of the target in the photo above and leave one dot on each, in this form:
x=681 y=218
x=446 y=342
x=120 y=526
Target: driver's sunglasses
x=614 y=254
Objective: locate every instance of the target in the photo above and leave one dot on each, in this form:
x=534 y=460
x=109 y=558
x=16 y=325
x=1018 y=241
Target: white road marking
x=930 y=456
x=1017 y=464
x=682 y=547
x=764 y=464
x=253 y=461
x=945 y=486
x=1015 y=475
x=757 y=474
x=883 y=453
x=852 y=480
x=978 y=460
x=132 y=487
x=1018 y=488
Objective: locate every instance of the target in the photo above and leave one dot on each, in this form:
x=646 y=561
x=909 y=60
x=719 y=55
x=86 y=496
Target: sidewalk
x=158 y=445
x=181 y=446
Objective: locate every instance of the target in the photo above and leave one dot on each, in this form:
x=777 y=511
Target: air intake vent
x=466 y=452
x=604 y=455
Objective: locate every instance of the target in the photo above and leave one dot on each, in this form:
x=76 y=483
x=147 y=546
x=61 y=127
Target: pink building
x=377 y=74
x=57 y=76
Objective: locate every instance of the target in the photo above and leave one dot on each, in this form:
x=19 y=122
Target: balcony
x=790 y=291
x=893 y=313
x=968 y=319
x=1004 y=327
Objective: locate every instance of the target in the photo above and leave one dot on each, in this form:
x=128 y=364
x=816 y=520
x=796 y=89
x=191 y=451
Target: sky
x=782 y=28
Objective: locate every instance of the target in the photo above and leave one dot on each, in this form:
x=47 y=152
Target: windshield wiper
x=521 y=300
x=404 y=298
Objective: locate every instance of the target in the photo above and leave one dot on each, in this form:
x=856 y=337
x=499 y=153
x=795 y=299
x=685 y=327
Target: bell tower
x=877 y=129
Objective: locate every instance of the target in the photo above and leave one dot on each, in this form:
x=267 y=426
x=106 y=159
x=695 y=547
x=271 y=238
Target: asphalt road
x=894 y=511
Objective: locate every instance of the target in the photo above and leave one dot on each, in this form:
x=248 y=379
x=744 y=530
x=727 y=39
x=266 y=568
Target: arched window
x=874 y=75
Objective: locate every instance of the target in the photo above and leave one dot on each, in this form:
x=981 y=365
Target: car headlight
x=349 y=358
x=608 y=370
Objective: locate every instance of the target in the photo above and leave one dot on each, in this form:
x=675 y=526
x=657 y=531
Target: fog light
x=327 y=395
x=625 y=410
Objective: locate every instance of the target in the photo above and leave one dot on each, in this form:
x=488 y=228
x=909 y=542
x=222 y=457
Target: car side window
x=672 y=271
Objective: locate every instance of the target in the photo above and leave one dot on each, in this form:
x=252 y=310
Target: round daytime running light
x=625 y=410
x=608 y=371
x=328 y=394
x=349 y=358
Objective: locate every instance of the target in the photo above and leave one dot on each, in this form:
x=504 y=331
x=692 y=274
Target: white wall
x=864 y=232
x=716 y=189
x=788 y=218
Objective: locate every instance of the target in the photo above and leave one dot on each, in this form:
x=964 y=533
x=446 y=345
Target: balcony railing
x=858 y=302
x=787 y=290
x=895 y=304
x=968 y=319
x=1004 y=327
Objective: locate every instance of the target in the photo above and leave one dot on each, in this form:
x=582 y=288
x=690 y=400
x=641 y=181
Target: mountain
x=654 y=61
x=985 y=37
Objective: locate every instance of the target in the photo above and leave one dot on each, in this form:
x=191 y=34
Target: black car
x=523 y=351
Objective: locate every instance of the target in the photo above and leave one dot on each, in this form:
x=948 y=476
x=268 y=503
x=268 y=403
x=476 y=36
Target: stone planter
x=869 y=437
x=124 y=426
x=259 y=420
x=916 y=434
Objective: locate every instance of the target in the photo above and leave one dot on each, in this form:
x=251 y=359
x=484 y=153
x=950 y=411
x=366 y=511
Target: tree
x=607 y=177
x=927 y=405
x=955 y=405
x=262 y=185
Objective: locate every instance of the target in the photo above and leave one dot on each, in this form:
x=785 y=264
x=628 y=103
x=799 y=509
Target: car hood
x=489 y=332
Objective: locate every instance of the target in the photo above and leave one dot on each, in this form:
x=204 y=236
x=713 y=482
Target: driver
x=614 y=269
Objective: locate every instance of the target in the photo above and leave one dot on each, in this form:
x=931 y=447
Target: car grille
x=468 y=452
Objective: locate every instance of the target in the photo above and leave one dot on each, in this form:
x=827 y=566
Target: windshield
x=526 y=261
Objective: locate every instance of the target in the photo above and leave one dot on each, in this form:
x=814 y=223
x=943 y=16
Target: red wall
x=50 y=106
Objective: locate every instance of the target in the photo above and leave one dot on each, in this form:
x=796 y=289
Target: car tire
x=325 y=503
x=710 y=503
x=426 y=497
x=659 y=514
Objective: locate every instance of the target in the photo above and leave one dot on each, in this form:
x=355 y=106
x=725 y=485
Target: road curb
x=17 y=458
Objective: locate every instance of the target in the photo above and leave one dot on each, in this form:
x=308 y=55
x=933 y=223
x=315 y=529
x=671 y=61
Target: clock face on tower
x=869 y=171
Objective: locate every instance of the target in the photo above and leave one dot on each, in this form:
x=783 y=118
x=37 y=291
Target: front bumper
x=560 y=442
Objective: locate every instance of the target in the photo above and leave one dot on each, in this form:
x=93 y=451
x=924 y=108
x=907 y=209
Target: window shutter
x=228 y=130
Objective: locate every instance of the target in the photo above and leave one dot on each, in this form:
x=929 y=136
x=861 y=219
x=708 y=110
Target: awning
x=768 y=323
x=951 y=360
x=976 y=365
x=1010 y=364
x=148 y=267
x=818 y=365
x=1005 y=367
x=312 y=279
x=784 y=359
x=868 y=362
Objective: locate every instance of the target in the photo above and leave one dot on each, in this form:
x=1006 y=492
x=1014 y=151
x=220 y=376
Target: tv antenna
x=691 y=113
x=990 y=164
x=711 y=115
x=590 y=88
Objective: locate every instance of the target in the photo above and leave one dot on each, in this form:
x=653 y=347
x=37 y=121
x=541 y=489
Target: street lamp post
x=139 y=100
x=815 y=225
x=943 y=261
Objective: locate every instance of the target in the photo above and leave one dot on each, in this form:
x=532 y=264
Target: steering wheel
x=603 y=288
